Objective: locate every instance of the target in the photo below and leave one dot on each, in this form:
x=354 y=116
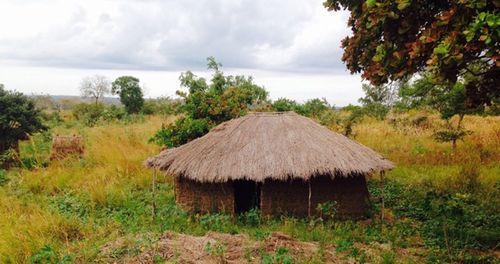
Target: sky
x=292 y=48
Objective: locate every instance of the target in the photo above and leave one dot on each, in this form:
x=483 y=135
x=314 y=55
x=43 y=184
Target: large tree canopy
x=207 y=104
x=393 y=40
x=130 y=92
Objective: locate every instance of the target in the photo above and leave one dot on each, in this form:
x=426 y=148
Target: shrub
x=327 y=210
x=19 y=118
x=451 y=135
x=89 y=114
x=180 y=132
x=448 y=219
x=209 y=104
x=251 y=218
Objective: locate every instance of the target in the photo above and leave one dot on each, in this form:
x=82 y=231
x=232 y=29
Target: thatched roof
x=262 y=146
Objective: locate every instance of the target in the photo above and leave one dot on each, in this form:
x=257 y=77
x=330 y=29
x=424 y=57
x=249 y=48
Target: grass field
x=442 y=204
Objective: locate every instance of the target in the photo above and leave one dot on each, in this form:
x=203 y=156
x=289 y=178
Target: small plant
x=217 y=249
x=344 y=245
x=158 y=259
x=3 y=177
x=451 y=135
x=251 y=218
x=216 y=222
x=280 y=256
x=388 y=257
x=327 y=210
x=47 y=255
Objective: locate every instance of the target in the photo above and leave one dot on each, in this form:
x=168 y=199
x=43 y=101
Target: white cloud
x=73 y=38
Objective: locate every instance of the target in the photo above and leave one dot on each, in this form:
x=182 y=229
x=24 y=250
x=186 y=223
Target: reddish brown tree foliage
x=393 y=40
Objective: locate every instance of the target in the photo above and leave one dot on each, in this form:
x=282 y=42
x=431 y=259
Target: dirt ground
x=226 y=248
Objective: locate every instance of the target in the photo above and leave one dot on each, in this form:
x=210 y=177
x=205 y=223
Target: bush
x=89 y=114
x=113 y=112
x=162 y=106
x=448 y=219
x=251 y=218
x=182 y=131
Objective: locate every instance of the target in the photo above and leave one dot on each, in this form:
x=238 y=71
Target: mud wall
x=351 y=195
x=198 y=197
x=292 y=197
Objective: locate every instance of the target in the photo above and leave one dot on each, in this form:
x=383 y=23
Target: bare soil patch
x=225 y=248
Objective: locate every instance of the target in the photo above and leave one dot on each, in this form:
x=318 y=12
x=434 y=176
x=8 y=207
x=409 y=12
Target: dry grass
x=112 y=169
x=25 y=227
x=113 y=160
x=412 y=145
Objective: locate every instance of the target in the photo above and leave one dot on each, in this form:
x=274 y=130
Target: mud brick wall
x=291 y=197
x=198 y=197
x=284 y=198
x=351 y=195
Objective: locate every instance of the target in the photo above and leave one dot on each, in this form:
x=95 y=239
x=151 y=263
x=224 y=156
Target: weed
x=343 y=245
x=217 y=250
x=3 y=177
x=280 y=256
x=47 y=255
x=388 y=257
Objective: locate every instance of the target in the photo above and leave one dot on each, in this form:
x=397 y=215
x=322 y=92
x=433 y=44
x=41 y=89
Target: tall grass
x=71 y=208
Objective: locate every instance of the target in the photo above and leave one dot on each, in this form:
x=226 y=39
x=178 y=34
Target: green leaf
x=481 y=16
x=371 y=3
x=380 y=53
x=491 y=20
x=488 y=40
x=402 y=4
x=441 y=49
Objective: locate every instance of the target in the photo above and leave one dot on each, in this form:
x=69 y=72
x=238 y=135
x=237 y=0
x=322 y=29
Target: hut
x=64 y=146
x=280 y=163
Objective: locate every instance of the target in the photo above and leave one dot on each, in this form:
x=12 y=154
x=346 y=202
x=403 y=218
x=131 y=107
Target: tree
x=393 y=40
x=18 y=118
x=284 y=104
x=130 y=92
x=377 y=101
x=94 y=87
x=450 y=102
x=209 y=104
x=314 y=107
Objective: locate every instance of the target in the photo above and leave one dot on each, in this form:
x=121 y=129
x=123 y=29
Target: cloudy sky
x=290 y=47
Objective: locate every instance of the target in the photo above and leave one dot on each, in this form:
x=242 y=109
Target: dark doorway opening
x=246 y=196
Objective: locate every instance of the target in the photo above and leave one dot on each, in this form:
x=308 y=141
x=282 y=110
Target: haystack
x=64 y=146
x=281 y=163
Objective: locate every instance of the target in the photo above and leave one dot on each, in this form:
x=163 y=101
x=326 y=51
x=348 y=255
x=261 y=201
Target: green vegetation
x=209 y=104
x=393 y=40
x=127 y=87
x=441 y=205
x=18 y=118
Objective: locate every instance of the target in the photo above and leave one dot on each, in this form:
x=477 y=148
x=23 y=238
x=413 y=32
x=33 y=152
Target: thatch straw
x=63 y=146
x=262 y=146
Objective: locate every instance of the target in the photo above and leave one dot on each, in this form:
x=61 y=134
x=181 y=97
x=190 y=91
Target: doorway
x=246 y=196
